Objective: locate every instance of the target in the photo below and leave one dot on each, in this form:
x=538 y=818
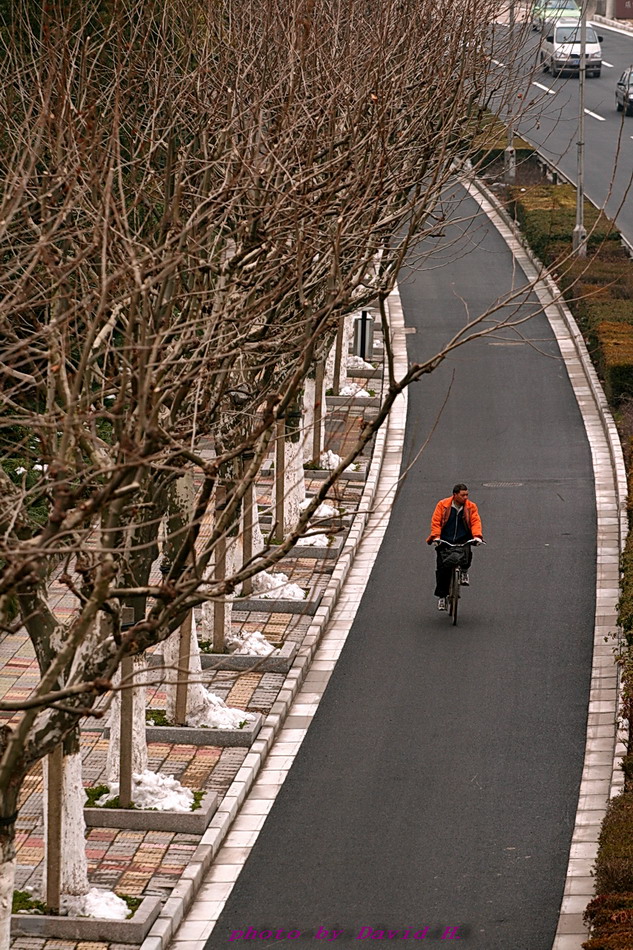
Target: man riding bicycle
x=455 y=520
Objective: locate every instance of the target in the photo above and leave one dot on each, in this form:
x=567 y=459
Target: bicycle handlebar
x=462 y=544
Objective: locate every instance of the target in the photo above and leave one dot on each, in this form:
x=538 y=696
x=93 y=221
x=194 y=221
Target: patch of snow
x=213 y=713
x=357 y=362
x=354 y=389
x=105 y=905
x=20 y=470
x=314 y=541
x=40 y=467
x=323 y=511
x=276 y=587
x=154 y=790
x=330 y=460
x=249 y=644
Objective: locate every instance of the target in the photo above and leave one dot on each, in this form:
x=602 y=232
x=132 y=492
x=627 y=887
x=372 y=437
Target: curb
x=602 y=777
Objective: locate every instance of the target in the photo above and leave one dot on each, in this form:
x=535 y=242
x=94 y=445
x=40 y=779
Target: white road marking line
x=594 y=116
x=497 y=63
x=552 y=92
x=610 y=65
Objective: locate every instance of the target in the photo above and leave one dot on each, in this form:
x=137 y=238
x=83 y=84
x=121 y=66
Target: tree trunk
x=8 y=814
x=294 y=484
x=7 y=882
x=74 y=863
x=139 y=741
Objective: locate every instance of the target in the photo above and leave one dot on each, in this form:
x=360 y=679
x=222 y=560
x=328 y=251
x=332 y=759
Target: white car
x=560 y=49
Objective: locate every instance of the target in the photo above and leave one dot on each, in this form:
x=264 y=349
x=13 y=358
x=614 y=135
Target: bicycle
x=456 y=558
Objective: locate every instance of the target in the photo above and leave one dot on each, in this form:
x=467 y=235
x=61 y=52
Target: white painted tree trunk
x=307 y=426
x=196 y=692
x=139 y=739
x=328 y=380
x=7 y=885
x=294 y=483
x=258 y=537
x=348 y=333
x=234 y=561
x=74 y=869
x=202 y=705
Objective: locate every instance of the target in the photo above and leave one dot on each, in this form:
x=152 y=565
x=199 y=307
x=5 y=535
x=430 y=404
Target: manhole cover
x=502 y=484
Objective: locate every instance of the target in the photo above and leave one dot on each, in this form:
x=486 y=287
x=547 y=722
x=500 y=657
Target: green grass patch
x=198 y=795
x=132 y=902
x=23 y=902
x=95 y=792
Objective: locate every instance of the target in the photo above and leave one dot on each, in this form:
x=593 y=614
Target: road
x=438 y=783
x=550 y=122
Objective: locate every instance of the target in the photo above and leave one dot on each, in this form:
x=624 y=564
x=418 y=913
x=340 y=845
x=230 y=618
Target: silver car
x=624 y=92
x=560 y=49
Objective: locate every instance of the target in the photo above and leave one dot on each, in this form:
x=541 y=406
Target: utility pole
x=509 y=155
x=579 y=237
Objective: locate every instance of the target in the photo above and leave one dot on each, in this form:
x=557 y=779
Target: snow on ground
x=314 y=540
x=356 y=390
x=213 y=713
x=250 y=644
x=323 y=511
x=330 y=460
x=357 y=362
x=276 y=587
x=154 y=790
x=105 y=905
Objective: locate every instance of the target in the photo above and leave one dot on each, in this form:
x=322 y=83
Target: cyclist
x=456 y=520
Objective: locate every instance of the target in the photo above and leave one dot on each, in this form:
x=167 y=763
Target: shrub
x=614 y=865
x=614 y=352
x=611 y=920
x=547 y=216
x=625 y=604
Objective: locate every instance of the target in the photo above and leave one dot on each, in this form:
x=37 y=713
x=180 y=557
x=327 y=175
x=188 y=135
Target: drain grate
x=502 y=484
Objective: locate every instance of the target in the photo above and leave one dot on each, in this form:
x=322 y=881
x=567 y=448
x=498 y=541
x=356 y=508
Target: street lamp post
x=579 y=237
x=509 y=157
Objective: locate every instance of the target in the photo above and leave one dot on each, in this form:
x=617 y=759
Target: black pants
x=443 y=573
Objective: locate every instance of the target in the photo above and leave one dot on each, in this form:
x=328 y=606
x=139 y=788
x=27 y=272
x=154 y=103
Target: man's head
x=460 y=493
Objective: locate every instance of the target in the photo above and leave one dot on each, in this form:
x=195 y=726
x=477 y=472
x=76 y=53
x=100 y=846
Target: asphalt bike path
x=434 y=795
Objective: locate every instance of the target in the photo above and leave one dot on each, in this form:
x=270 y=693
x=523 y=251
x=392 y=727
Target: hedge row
x=490 y=143
x=598 y=289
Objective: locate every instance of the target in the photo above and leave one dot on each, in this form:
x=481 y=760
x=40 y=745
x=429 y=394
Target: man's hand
x=478 y=541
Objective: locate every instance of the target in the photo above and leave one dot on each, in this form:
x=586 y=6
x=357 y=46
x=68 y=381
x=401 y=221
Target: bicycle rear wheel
x=453 y=596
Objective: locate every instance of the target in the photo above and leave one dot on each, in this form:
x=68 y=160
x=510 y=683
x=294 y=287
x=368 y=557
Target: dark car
x=624 y=92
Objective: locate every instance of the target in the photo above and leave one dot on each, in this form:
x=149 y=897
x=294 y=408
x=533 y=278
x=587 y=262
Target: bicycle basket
x=454 y=557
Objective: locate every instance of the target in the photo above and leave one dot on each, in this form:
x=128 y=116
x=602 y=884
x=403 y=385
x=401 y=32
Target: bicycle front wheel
x=453 y=596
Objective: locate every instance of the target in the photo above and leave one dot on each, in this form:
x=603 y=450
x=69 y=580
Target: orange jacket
x=442 y=511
